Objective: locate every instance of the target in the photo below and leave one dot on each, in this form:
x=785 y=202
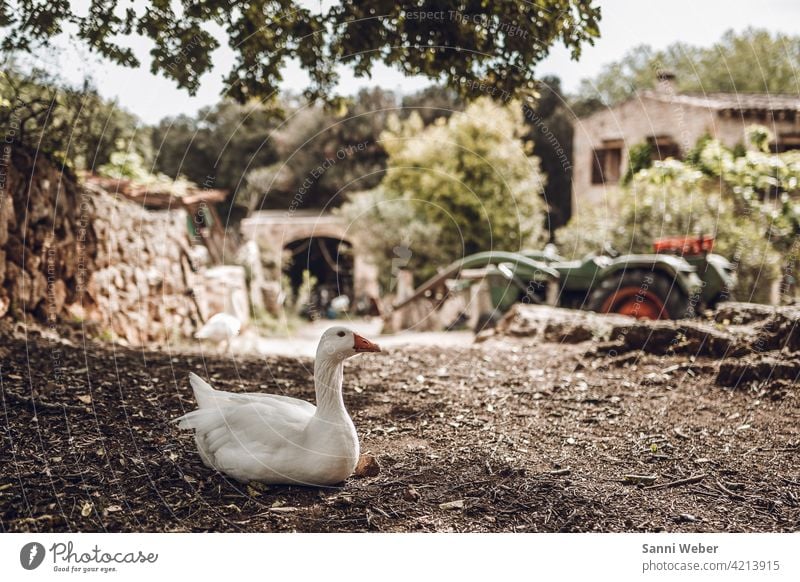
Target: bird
x=276 y=439
x=220 y=327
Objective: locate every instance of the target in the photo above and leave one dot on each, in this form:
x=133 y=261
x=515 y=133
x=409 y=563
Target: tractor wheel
x=641 y=294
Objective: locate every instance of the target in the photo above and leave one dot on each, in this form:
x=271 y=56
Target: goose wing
x=248 y=438
x=208 y=397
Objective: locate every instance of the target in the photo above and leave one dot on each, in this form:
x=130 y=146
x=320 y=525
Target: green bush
x=673 y=200
x=73 y=124
x=592 y=230
x=394 y=232
x=640 y=156
x=456 y=187
x=129 y=165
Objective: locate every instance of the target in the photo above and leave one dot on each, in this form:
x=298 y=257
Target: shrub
x=463 y=184
x=394 y=232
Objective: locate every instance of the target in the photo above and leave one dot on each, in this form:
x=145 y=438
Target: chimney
x=666 y=82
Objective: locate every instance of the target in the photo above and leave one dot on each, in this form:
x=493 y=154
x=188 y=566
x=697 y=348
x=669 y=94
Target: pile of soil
x=512 y=434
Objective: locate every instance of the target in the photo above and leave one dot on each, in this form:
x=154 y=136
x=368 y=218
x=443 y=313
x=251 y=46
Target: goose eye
x=340 y=334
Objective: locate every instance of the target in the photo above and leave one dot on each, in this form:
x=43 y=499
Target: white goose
x=220 y=328
x=277 y=439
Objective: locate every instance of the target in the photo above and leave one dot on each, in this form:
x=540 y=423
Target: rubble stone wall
x=69 y=251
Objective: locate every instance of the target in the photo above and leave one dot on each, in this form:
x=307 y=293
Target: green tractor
x=681 y=278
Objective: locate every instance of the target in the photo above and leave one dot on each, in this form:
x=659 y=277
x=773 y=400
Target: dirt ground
x=512 y=435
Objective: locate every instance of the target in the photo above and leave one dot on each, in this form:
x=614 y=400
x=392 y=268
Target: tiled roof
x=165 y=194
x=736 y=101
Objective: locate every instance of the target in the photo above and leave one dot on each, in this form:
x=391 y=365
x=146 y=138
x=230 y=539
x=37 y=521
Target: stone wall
x=39 y=223
x=74 y=252
x=141 y=280
x=273 y=230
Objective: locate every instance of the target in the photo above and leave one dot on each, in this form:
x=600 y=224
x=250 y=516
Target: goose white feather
x=277 y=439
x=219 y=327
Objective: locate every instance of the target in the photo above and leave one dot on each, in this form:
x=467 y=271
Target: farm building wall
x=673 y=123
x=272 y=231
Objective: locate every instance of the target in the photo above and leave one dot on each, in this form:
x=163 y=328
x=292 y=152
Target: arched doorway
x=328 y=263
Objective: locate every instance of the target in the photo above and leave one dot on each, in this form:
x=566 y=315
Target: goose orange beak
x=362 y=344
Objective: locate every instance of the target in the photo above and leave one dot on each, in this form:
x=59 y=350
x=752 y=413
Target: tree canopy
x=218 y=145
x=754 y=60
x=549 y=126
x=321 y=151
x=497 y=42
x=74 y=124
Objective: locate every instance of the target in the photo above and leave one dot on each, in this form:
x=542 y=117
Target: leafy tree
x=355 y=140
x=74 y=124
x=182 y=147
x=549 y=127
x=754 y=60
x=218 y=146
x=431 y=103
x=470 y=176
x=321 y=152
x=264 y=160
x=500 y=42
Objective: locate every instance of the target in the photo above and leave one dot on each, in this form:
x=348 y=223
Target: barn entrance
x=320 y=273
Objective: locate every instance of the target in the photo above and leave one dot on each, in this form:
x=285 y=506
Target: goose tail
x=203 y=394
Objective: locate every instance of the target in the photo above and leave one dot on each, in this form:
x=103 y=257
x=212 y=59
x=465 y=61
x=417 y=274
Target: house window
x=664 y=147
x=786 y=142
x=606 y=164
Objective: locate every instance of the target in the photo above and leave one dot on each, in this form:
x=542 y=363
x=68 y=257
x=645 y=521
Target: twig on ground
x=730 y=493
x=680 y=433
x=687 y=481
x=637 y=479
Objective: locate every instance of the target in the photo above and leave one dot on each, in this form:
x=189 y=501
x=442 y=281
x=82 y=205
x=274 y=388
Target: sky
x=625 y=24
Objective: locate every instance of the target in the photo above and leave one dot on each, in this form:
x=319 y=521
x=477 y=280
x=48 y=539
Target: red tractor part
x=635 y=302
x=685 y=245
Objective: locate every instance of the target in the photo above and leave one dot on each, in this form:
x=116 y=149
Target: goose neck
x=328 y=378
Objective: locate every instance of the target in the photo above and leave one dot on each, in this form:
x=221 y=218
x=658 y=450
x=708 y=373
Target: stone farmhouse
x=671 y=122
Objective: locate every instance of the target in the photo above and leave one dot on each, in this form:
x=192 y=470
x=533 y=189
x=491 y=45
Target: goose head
x=339 y=343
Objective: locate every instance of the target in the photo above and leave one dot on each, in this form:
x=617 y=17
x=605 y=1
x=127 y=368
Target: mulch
x=509 y=435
